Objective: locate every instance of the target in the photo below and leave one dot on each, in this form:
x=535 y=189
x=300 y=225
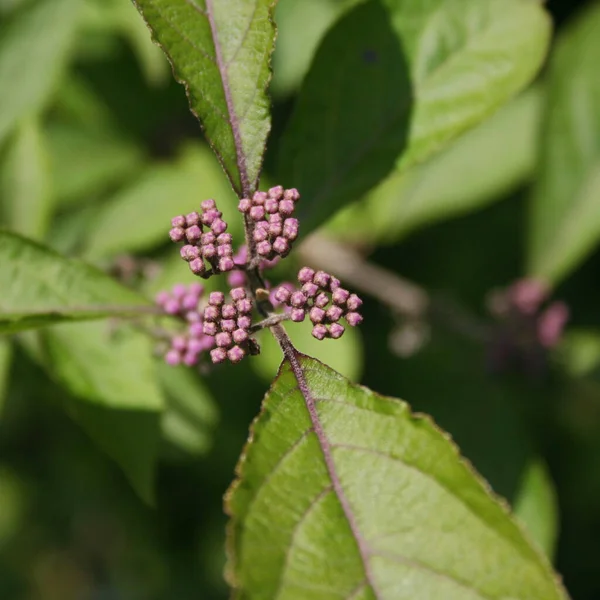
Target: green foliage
x=417 y=91
x=333 y=535
x=564 y=213
x=42 y=287
x=221 y=53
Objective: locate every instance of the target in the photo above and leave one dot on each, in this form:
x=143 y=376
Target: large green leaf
x=34 y=49
x=371 y=502
x=112 y=372
x=25 y=182
x=221 y=52
x=390 y=86
x=40 y=287
x=479 y=167
x=565 y=210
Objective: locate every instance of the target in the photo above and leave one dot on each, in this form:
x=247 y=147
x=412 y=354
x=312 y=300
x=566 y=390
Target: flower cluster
x=274 y=228
x=229 y=325
x=213 y=246
x=324 y=300
x=184 y=302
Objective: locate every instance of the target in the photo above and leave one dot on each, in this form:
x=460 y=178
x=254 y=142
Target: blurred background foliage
x=98 y=150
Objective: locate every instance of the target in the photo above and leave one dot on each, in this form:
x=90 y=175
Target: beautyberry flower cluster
x=184 y=302
x=274 y=228
x=229 y=325
x=213 y=246
x=324 y=300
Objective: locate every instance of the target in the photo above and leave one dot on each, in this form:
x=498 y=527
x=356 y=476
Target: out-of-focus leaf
x=565 y=209
x=113 y=373
x=13 y=499
x=579 y=352
x=221 y=52
x=537 y=506
x=40 y=287
x=25 y=182
x=5 y=361
x=482 y=165
x=161 y=193
x=390 y=509
x=34 y=49
x=293 y=52
x=345 y=355
x=86 y=163
x=190 y=413
x=388 y=88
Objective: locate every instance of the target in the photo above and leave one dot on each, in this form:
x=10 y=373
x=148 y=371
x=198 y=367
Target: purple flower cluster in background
x=229 y=325
x=322 y=298
x=274 y=228
x=184 y=302
x=213 y=246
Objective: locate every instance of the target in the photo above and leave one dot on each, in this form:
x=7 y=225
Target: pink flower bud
x=190 y=358
x=322 y=279
x=354 y=302
x=173 y=358
x=207 y=205
x=305 y=275
x=218 y=355
x=271 y=205
x=209 y=251
x=223 y=339
x=334 y=284
x=236 y=279
x=264 y=248
x=228 y=311
x=286 y=208
x=257 y=213
x=340 y=296
x=260 y=234
x=353 y=319
x=276 y=192
x=225 y=238
x=259 y=198
x=319 y=331
x=226 y=264
x=316 y=314
x=225 y=250
x=218 y=226
x=281 y=246
x=193 y=234
x=244 y=322
x=209 y=217
x=298 y=315
x=290 y=229
x=244 y=306
x=179 y=342
x=240 y=336
x=212 y=313
x=310 y=289
x=334 y=313
x=172 y=306
x=162 y=298
x=228 y=325
x=336 y=331
x=179 y=291
x=245 y=205
x=551 y=323
x=292 y=194
x=210 y=328
x=216 y=298
x=197 y=266
x=282 y=294
x=177 y=234
x=208 y=238
x=192 y=218
x=196 y=330
x=298 y=300
x=189 y=302
x=236 y=354
x=275 y=229
x=322 y=300
x=238 y=293
x=178 y=222
x=196 y=346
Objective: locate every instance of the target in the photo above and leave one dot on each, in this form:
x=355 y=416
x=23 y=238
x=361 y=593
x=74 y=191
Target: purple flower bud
x=257 y=213
x=281 y=246
x=242 y=255
x=282 y=294
x=223 y=339
x=225 y=250
x=193 y=316
x=209 y=217
x=260 y=234
x=228 y=311
x=216 y=298
x=290 y=229
x=173 y=358
x=179 y=342
x=190 y=358
x=276 y=192
x=340 y=296
x=236 y=354
x=322 y=279
x=178 y=221
x=189 y=301
x=196 y=330
x=245 y=205
x=177 y=234
x=218 y=226
x=244 y=306
x=334 y=284
x=240 y=336
x=172 y=306
x=209 y=204
x=259 y=198
x=196 y=288
x=236 y=279
x=226 y=264
x=196 y=346
x=271 y=205
x=334 y=313
x=551 y=324
x=218 y=355
x=322 y=300
x=353 y=319
x=209 y=251
x=192 y=218
x=275 y=229
x=225 y=238
x=228 y=325
x=316 y=314
x=207 y=238
x=275 y=218
x=305 y=275
x=298 y=315
x=298 y=300
x=264 y=248
x=336 y=331
x=237 y=293
x=244 y=322
x=212 y=313
x=193 y=234
x=310 y=289
x=179 y=291
x=354 y=302
x=162 y=298
x=286 y=208
x=292 y=194
x=187 y=252
x=210 y=328
x=319 y=331
x=197 y=266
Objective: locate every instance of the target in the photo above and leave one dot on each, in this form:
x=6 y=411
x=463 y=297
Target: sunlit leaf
x=390 y=510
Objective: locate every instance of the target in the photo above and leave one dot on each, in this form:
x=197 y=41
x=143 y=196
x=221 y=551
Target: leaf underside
x=344 y=494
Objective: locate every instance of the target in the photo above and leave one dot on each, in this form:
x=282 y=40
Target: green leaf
x=5 y=361
x=390 y=509
x=25 y=182
x=40 y=287
x=112 y=372
x=162 y=192
x=537 y=506
x=34 y=50
x=481 y=166
x=389 y=87
x=221 y=53
x=565 y=216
